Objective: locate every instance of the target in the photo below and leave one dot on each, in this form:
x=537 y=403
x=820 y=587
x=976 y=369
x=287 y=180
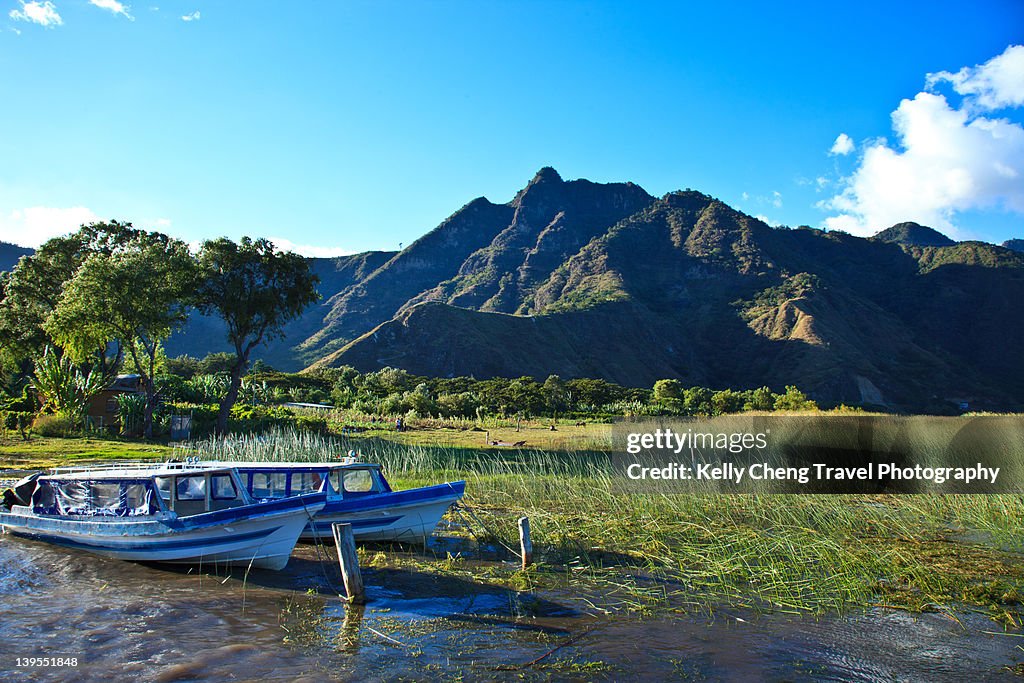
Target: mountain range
x=583 y=279
x=10 y=253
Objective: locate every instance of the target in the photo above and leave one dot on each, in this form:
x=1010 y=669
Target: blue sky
x=338 y=127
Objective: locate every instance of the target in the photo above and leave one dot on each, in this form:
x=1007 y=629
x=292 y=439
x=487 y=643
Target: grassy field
x=795 y=553
x=42 y=452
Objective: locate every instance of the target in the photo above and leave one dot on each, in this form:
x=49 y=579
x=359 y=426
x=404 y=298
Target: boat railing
x=188 y=463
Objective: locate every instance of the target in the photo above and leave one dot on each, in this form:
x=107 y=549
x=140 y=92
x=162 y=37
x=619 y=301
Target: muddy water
x=123 y=620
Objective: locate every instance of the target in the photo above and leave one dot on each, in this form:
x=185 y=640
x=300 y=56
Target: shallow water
x=122 y=619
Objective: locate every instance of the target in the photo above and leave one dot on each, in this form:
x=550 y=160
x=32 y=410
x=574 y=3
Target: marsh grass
x=792 y=552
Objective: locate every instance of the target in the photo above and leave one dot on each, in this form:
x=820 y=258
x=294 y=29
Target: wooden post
x=349 y=562
x=525 y=546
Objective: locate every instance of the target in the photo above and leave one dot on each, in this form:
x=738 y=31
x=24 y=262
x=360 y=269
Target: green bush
x=56 y=425
x=311 y=423
x=19 y=420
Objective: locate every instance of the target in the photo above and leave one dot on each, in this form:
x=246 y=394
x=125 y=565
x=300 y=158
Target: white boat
x=357 y=494
x=182 y=514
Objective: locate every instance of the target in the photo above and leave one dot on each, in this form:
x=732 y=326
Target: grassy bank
x=39 y=452
x=804 y=553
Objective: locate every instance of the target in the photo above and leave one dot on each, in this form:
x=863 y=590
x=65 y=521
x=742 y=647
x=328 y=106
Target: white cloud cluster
x=42 y=13
x=948 y=158
x=308 y=250
x=195 y=16
x=842 y=146
x=32 y=226
x=113 y=6
x=996 y=84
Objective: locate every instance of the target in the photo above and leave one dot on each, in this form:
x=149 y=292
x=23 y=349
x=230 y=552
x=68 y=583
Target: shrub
x=19 y=420
x=55 y=425
x=311 y=423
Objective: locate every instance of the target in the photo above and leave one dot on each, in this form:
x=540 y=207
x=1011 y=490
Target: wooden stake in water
x=349 y=562
x=525 y=546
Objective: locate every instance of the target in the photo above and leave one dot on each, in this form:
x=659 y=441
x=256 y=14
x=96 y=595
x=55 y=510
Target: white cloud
x=777 y=199
x=996 y=84
x=767 y=221
x=842 y=146
x=113 y=6
x=309 y=250
x=42 y=13
x=32 y=226
x=745 y=196
x=195 y=16
x=947 y=158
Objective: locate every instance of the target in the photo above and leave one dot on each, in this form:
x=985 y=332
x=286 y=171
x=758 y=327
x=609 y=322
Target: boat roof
x=293 y=464
x=133 y=471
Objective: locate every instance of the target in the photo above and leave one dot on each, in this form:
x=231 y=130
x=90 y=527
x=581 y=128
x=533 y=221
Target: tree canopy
x=132 y=292
x=256 y=290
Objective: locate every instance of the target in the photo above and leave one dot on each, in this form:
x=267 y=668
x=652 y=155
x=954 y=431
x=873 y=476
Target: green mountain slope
x=10 y=253
x=602 y=280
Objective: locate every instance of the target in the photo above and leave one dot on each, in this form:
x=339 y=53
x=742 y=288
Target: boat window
x=44 y=502
x=223 y=487
x=269 y=484
x=191 y=488
x=163 y=486
x=72 y=497
x=94 y=498
x=359 y=481
x=138 y=500
x=306 y=482
x=104 y=498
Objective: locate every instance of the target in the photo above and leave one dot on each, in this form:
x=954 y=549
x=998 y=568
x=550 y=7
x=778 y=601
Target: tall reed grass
x=789 y=552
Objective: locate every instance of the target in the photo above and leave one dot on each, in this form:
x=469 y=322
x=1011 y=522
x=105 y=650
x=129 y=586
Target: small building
x=102 y=410
x=308 y=406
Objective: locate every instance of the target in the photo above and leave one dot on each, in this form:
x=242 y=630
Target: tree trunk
x=232 y=395
x=147 y=413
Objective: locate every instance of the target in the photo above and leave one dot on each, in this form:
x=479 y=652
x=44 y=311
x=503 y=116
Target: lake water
x=149 y=623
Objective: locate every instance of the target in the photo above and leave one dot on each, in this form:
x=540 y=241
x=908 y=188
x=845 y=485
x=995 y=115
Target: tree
x=697 y=401
x=794 y=399
x=726 y=401
x=555 y=395
x=760 y=399
x=31 y=292
x=132 y=291
x=666 y=389
x=256 y=290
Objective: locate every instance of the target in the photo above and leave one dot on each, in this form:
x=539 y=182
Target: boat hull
x=410 y=515
x=260 y=535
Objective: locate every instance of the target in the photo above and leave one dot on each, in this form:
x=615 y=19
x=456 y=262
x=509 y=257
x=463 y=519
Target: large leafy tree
x=32 y=290
x=256 y=290
x=131 y=288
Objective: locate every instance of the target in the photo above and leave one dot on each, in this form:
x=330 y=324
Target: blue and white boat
x=182 y=514
x=357 y=494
